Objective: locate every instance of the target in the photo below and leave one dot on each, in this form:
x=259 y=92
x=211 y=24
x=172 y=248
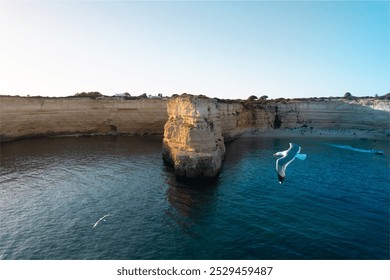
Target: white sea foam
x=346 y=147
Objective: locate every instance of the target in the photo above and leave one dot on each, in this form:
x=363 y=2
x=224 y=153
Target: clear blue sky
x=219 y=49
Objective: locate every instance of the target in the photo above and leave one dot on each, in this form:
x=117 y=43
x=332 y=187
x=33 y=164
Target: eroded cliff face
x=336 y=115
x=30 y=117
x=193 y=141
x=236 y=119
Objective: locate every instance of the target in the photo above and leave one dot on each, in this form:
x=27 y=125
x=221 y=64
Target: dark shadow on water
x=190 y=201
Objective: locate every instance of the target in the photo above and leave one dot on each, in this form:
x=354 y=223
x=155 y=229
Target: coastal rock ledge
x=193 y=143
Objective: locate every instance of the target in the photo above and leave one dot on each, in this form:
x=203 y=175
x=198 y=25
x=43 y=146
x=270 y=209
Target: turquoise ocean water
x=333 y=205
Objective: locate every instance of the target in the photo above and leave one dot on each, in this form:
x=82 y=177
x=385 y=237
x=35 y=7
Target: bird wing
x=289 y=156
x=282 y=163
x=102 y=218
x=294 y=149
x=96 y=223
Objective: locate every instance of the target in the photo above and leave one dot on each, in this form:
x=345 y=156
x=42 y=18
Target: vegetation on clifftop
x=91 y=94
x=252 y=99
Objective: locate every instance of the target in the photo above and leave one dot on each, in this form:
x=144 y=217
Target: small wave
x=346 y=147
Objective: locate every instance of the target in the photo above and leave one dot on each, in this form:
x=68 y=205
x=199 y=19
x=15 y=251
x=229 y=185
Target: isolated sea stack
x=193 y=142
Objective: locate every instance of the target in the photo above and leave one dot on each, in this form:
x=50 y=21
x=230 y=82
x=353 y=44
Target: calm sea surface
x=333 y=205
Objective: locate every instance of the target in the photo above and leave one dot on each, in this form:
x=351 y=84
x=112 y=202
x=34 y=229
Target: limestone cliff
x=193 y=141
x=338 y=115
x=22 y=117
x=236 y=119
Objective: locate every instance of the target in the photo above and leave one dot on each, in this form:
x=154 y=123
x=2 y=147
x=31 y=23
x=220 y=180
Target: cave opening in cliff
x=277 y=121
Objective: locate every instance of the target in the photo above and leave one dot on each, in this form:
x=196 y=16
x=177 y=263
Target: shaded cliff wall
x=236 y=119
x=366 y=115
x=320 y=115
x=33 y=116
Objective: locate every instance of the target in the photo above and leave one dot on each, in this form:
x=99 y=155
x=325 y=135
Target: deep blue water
x=333 y=205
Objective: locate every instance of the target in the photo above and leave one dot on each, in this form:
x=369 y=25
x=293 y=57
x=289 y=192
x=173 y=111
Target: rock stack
x=193 y=143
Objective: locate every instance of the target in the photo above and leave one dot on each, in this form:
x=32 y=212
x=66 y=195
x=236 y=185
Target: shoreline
x=276 y=133
x=319 y=133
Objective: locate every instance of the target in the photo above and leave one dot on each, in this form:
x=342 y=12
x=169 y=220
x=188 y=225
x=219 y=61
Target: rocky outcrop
x=193 y=141
x=22 y=117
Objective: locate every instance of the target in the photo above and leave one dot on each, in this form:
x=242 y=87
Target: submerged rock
x=193 y=143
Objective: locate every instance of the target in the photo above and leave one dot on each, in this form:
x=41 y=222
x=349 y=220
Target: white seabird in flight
x=102 y=218
x=287 y=157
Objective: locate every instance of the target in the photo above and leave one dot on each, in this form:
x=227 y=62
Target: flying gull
x=287 y=157
x=102 y=218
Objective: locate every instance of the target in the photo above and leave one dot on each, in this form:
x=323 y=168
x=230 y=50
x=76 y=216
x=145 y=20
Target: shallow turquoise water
x=333 y=205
